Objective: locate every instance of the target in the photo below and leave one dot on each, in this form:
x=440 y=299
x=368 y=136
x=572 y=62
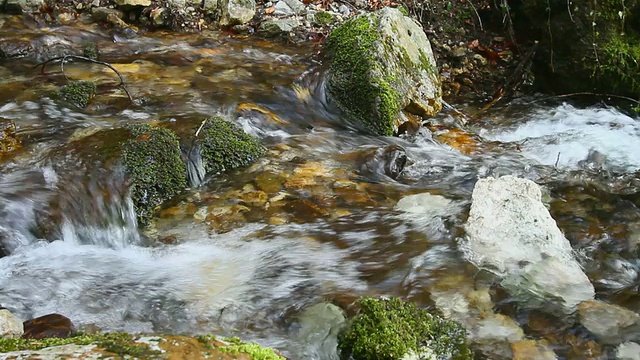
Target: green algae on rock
x=391 y=329
x=226 y=146
x=382 y=63
x=78 y=93
x=153 y=163
x=255 y=351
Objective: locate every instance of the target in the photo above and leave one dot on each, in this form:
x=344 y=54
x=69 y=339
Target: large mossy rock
x=226 y=146
x=380 y=64
x=391 y=329
x=583 y=45
x=154 y=166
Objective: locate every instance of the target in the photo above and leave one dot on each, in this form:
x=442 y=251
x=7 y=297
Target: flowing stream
x=219 y=259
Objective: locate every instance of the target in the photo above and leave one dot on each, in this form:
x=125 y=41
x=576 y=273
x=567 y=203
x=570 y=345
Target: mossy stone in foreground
x=153 y=164
x=226 y=146
x=78 y=93
x=391 y=329
x=116 y=343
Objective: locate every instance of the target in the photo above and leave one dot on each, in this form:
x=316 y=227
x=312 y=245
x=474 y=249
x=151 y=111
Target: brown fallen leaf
x=270 y=10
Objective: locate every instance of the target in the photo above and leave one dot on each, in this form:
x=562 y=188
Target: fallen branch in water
x=63 y=59
x=622 y=97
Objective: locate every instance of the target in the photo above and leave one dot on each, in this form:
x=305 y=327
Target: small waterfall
x=37 y=205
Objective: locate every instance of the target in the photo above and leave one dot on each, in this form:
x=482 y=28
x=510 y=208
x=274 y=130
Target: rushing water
x=74 y=248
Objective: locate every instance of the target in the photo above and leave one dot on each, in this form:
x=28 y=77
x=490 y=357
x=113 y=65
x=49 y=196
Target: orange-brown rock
x=48 y=326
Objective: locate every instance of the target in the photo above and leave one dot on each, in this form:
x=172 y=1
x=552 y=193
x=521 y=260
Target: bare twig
x=557 y=160
x=63 y=59
x=586 y=93
x=477 y=15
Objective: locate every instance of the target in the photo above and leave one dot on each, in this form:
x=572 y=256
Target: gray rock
x=22 y=6
x=380 y=64
x=295 y=5
x=71 y=351
x=612 y=324
x=511 y=233
x=236 y=12
x=10 y=325
x=102 y=13
x=282 y=9
x=210 y=6
x=344 y=10
x=133 y=2
x=276 y=28
x=319 y=328
x=628 y=351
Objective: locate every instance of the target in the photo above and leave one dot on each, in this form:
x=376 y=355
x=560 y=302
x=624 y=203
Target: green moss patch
x=78 y=93
x=117 y=343
x=373 y=103
x=154 y=166
x=388 y=329
x=226 y=146
x=237 y=346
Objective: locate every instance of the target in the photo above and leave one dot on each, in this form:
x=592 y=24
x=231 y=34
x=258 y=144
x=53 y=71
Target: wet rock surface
x=10 y=325
x=48 y=326
x=512 y=234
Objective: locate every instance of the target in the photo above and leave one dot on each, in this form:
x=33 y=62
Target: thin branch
x=63 y=59
x=477 y=15
x=586 y=93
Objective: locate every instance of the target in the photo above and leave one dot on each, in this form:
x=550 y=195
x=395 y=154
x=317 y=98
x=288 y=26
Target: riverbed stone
x=319 y=326
x=532 y=350
x=380 y=64
x=103 y=13
x=282 y=9
x=277 y=28
x=8 y=139
x=236 y=12
x=510 y=233
x=48 y=326
x=610 y=323
x=628 y=351
x=22 y=6
x=133 y=2
x=10 y=325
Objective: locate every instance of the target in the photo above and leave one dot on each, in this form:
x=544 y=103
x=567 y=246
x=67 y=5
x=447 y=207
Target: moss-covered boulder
x=583 y=45
x=380 y=64
x=226 y=146
x=154 y=166
x=391 y=329
x=78 y=93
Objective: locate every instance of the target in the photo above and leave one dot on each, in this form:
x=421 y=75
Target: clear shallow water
x=74 y=247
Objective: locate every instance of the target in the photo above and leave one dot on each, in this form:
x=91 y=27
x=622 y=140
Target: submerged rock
x=10 y=325
x=612 y=324
x=511 y=234
x=380 y=64
x=391 y=329
x=8 y=138
x=153 y=164
x=226 y=146
x=48 y=326
x=78 y=93
x=319 y=328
